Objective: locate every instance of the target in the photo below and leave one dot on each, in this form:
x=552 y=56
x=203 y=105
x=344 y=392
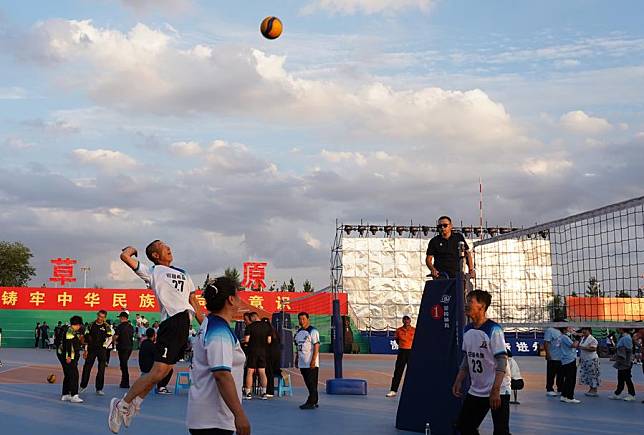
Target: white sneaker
x=629 y=398
x=133 y=410
x=76 y=399
x=615 y=397
x=66 y=397
x=248 y=396
x=566 y=400
x=553 y=394
x=163 y=390
x=100 y=393
x=115 y=417
x=391 y=394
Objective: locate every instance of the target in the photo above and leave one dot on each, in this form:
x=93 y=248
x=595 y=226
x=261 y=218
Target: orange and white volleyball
x=271 y=27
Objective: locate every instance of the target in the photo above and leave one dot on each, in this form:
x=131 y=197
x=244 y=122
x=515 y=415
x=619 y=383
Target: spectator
x=59 y=330
x=404 y=337
x=155 y=326
x=516 y=380
x=1 y=345
x=347 y=336
x=553 y=362
x=589 y=362
x=124 y=339
x=307 y=341
x=623 y=364
x=258 y=337
x=568 y=365
x=68 y=353
x=44 y=335
x=37 y=334
x=96 y=337
x=147 y=354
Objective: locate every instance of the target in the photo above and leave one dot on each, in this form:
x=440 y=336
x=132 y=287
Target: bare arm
x=228 y=391
x=470 y=264
x=199 y=315
x=127 y=257
x=429 y=261
x=316 y=351
x=460 y=377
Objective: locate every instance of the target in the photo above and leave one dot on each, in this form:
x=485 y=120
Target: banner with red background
x=84 y=299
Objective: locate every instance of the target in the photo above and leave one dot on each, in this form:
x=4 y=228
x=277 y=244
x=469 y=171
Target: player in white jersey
x=486 y=362
x=307 y=341
x=174 y=290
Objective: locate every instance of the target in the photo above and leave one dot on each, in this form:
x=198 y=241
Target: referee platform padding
x=356 y=387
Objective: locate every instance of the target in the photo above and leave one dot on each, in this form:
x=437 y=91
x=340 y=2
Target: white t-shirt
x=171 y=285
x=215 y=348
x=305 y=339
x=481 y=346
x=586 y=354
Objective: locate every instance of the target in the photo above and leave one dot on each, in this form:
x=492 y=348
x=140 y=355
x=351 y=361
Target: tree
x=557 y=308
x=15 y=268
x=205 y=283
x=623 y=294
x=284 y=287
x=594 y=288
x=233 y=274
x=307 y=286
x=291 y=285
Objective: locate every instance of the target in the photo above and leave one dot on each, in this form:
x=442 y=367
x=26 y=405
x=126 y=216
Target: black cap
x=124 y=314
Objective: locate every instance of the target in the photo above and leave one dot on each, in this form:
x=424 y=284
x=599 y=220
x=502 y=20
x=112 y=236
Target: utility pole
x=85 y=269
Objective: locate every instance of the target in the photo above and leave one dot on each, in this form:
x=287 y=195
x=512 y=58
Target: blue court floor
x=28 y=408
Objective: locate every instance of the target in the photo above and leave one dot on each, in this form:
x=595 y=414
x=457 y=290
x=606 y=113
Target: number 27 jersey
x=481 y=346
x=171 y=285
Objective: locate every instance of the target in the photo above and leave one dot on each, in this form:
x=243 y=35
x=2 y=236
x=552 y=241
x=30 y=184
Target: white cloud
x=122 y=274
x=168 y=6
x=106 y=160
x=12 y=93
x=310 y=240
x=17 y=143
x=350 y=7
x=334 y=157
x=579 y=122
x=546 y=166
x=186 y=149
x=147 y=70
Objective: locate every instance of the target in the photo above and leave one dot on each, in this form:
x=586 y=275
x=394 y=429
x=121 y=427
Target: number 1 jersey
x=481 y=346
x=172 y=287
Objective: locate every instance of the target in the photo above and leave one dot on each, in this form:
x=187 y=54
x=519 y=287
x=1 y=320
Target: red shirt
x=405 y=337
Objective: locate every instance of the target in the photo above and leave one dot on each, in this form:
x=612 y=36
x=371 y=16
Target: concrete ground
x=28 y=405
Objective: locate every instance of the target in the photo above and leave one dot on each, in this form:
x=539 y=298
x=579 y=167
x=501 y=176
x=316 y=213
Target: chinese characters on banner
x=522 y=346
x=254 y=274
x=138 y=300
x=63 y=271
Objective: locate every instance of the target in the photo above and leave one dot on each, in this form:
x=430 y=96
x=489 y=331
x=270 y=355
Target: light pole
x=85 y=269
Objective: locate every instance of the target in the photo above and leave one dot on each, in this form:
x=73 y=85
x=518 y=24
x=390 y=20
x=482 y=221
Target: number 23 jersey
x=172 y=287
x=481 y=346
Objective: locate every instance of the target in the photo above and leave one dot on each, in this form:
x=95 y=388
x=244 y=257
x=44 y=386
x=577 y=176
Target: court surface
x=28 y=405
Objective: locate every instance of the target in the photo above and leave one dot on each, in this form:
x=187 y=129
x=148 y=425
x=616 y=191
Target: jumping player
x=486 y=361
x=174 y=290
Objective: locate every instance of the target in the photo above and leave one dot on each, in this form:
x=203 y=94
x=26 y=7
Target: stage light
x=401 y=230
x=373 y=229
x=413 y=230
x=492 y=231
x=504 y=230
x=544 y=234
x=467 y=231
x=362 y=229
x=425 y=230
x=348 y=229
x=478 y=231
x=388 y=230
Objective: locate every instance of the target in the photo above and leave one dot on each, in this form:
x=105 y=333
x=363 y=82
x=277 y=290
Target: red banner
x=83 y=299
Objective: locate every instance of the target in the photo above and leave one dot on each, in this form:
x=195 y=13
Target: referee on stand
x=442 y=252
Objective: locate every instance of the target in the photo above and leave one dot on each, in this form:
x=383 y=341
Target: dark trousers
x=124 y=356
x=624 y=378
x=44 y=342
x=210 y=432
x=474 y=411
x=569 y=374
x=311 y=380
x=553 y=371
x=92 y=355
x=401 y=362
x=37 y=341
x=70 y=375
x=272 y=370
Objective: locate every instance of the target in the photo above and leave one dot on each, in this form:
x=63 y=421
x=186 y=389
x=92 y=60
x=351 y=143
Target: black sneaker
x=308 y=406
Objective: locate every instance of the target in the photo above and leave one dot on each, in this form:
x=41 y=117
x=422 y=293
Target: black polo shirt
x=125 y=332
x=445 y=252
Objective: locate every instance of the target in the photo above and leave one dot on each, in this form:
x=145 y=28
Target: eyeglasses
x=442 y=225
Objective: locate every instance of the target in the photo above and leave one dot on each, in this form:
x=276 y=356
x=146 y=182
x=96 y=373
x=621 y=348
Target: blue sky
x=129 y=120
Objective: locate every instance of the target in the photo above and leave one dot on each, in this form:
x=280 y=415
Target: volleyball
x=271 y=27
x=51 y=378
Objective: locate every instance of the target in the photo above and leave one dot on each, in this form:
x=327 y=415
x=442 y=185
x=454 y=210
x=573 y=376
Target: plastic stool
x=282 y=388
x=182 y=382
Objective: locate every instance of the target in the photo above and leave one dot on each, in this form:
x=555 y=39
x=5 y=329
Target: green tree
x=557 y=307
x=291 y=285
x=307 y=286
x=233 y=274
x=594 y=288
x=284 y=287
x=623 y=294
x=205 y=283
x=15 y=268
